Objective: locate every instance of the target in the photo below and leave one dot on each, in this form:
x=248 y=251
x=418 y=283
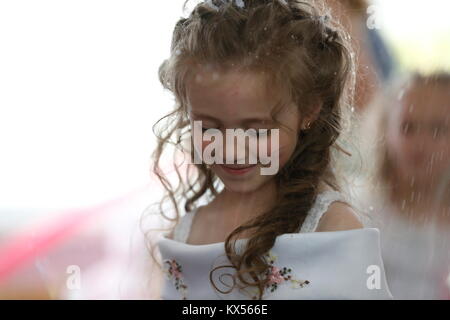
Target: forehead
x=230 y=94
x=427 y=103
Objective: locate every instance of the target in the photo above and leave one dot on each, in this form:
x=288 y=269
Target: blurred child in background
x=409 y=146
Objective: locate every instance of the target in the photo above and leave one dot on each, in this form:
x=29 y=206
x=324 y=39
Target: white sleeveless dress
x=304 y=265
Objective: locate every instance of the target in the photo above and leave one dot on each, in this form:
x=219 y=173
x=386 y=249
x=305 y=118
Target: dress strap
x=320 y=206
x=183 y=228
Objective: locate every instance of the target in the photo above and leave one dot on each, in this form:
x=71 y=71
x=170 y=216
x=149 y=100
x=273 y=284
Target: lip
x=237 y=170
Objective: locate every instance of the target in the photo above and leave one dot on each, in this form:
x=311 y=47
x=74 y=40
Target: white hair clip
x=240 y=4
x=211 y=5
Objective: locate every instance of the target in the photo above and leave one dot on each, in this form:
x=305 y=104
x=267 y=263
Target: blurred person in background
x=408 y=145
x=375 y=63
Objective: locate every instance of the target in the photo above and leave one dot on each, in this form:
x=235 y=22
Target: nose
x=238 y=149
x=233 y=151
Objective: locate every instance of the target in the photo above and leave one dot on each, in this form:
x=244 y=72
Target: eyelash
x=257 y=132
x=204 y=129
x=266 y=134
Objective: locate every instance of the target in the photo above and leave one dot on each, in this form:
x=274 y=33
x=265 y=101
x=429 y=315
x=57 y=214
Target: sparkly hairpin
x=211 y=4
x=238 y=3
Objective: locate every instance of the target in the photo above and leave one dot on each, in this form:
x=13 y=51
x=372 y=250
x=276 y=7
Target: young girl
x=410 y=190
x=266 y=64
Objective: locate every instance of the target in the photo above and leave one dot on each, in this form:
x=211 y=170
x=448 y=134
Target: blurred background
x=79 y=93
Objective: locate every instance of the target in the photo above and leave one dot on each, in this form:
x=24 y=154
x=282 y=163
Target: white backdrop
x=79 y=93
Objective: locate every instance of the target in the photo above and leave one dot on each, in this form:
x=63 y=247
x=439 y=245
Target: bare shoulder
x=339 y=216
x=170 y=234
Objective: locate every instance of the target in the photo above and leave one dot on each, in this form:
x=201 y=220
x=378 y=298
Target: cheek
x=205 y=144
x=398 y=145
x=440 y=153
x=288 y=142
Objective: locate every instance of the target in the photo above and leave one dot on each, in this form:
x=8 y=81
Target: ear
x=307 y=119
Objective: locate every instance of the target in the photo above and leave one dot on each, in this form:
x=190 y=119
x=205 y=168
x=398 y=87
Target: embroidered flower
x=175 y=268
x=277 y=276
x=175 y=273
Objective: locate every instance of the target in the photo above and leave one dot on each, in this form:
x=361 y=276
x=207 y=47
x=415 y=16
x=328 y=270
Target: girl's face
x=418 y=134
x=235 y=100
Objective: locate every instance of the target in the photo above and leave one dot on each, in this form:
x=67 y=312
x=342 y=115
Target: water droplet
x=405 y=128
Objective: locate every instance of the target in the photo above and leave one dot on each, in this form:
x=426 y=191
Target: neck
x=240 y=206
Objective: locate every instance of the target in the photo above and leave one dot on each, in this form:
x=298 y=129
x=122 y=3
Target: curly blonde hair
x=304 y=52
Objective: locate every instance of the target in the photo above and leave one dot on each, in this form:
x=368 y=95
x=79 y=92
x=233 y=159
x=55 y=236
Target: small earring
x=308 y=125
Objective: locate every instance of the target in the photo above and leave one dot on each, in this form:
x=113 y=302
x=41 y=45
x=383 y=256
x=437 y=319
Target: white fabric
x=336 y=265
x=418 y=252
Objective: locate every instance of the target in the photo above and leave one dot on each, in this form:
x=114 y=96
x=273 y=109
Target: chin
x=248 y=183
x=245 y=186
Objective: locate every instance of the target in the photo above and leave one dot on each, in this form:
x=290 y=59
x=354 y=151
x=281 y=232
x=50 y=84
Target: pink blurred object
x=29 y=244
x=105 y=243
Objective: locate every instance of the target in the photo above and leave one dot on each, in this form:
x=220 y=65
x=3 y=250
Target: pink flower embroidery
x=276 y=276
x=174 y=272
x=175 y=269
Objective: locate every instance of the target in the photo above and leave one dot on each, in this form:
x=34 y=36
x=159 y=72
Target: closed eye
x=204 y=129
x=262 y=132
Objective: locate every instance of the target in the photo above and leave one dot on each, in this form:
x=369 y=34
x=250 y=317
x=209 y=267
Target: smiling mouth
x=237 y=169
x=238 y=166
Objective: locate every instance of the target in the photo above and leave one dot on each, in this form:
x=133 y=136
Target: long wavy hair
x=305 y=52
